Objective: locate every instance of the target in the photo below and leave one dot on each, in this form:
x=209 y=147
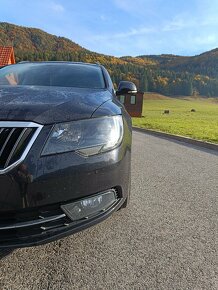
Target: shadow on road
x=5 y=252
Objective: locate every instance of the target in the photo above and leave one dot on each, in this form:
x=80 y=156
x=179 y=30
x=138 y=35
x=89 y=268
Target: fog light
x=88 y=207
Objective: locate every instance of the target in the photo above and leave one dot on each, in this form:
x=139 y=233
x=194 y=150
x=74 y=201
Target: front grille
x=16 y=138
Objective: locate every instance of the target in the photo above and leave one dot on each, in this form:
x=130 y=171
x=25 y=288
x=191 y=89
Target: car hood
x=47 y=105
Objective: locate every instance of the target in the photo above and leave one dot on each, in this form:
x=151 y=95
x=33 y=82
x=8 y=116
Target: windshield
x=53 y=74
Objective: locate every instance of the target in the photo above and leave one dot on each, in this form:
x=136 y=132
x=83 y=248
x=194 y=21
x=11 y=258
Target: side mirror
x=126 y=88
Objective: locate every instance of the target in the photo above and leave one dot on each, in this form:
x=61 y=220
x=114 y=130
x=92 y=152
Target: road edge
x=188 y=140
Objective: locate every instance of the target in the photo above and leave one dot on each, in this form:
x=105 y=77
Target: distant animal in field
x=166 y=111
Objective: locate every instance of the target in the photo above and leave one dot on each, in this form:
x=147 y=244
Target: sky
x=123 y=27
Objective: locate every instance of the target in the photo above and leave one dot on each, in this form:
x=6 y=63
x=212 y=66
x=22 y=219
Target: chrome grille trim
x=33 y=222
x=14 y=147
x=16 y=125
x=7 y=139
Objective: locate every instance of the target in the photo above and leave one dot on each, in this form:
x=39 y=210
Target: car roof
x=57 y=62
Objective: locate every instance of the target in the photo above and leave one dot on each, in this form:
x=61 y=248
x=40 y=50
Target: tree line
x=147 y=78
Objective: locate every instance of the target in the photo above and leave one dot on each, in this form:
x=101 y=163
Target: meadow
x=201 y=124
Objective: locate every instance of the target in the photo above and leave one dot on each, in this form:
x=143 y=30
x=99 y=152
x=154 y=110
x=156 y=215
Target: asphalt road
x=166 y=239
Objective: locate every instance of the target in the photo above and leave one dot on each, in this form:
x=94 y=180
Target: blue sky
x=123 y=27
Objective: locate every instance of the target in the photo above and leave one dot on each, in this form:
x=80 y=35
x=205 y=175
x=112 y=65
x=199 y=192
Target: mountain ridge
x=166 y=73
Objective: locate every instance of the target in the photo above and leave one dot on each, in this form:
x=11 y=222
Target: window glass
x=122 y=99
x=133 y=100
x=53 y=74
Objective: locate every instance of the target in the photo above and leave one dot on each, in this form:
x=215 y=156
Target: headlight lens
x=86 y=137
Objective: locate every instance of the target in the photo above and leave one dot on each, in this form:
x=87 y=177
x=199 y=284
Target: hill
x=166 y=74
x=34 y=40
x=204 y=64
x=36 y=44
x=164 y=60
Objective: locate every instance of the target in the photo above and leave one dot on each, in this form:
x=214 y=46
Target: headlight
x=86 y=137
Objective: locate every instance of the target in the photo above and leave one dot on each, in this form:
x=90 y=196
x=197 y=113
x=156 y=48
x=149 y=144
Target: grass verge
x=201 y=124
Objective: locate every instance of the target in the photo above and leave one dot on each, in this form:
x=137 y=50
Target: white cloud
x=133 y=32
x=57 y=7
x=182 y=21
x=211 y=39
x=103 y=17
x=125 y=34
x=125 y=5
x=136 y=7
x=177 y=23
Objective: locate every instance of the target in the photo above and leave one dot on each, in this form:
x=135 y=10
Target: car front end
x=63 y=166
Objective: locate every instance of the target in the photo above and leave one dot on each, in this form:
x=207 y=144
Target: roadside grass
x=201 y=124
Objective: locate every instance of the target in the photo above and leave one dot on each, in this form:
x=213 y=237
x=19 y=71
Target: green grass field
x=201 y=125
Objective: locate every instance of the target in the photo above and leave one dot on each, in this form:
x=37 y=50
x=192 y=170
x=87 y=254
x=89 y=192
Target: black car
x=65 y=150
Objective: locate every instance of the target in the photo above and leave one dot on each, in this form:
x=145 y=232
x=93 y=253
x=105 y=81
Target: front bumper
x=45 y=224
x=40 y=185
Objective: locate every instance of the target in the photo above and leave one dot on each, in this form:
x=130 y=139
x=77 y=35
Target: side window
x=122 y=99
x=133 y=100
x=110 y=83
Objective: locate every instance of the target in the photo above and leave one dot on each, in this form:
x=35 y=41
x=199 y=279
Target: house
x=133 y=103
x=6 y=55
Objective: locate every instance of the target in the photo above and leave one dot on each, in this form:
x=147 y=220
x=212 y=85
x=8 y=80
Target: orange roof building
x=6 y=55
